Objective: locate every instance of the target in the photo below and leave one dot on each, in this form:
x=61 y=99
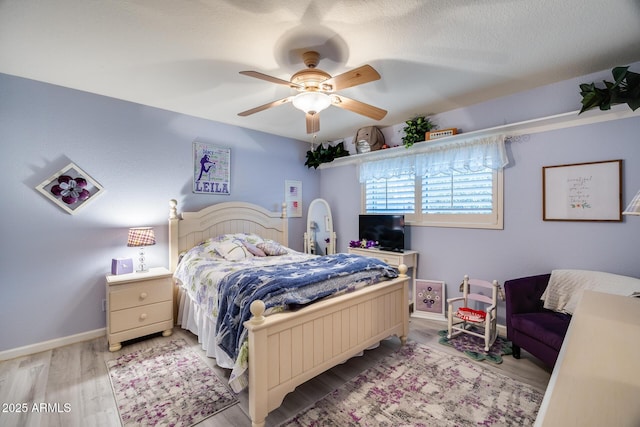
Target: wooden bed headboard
x=190 y=228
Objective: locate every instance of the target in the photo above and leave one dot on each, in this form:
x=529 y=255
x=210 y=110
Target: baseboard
x=502 y=330
x=51 y=344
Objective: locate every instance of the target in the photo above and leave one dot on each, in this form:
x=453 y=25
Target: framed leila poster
x=429 y=299
x=211 y=169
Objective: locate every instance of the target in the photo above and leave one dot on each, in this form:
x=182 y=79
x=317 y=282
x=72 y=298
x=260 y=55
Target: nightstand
x=139 y=304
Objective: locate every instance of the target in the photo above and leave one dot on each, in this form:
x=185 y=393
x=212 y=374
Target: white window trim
x=494 y=221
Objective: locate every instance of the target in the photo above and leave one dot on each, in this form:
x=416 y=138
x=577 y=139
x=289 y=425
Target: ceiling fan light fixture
x=311 y=102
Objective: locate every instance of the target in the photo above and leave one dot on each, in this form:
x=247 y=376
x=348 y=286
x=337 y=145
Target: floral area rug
x=420 y=386
x=473 y=346
x=166 y=385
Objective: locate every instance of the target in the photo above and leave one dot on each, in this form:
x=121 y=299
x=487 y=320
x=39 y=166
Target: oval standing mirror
x=320 y=239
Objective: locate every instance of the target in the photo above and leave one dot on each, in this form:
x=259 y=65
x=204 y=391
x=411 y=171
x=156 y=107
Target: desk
x=596 y=381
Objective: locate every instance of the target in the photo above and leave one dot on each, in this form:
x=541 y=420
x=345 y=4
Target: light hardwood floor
x=73 y=381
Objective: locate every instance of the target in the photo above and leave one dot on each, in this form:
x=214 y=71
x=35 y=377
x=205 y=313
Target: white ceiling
x=433 y=55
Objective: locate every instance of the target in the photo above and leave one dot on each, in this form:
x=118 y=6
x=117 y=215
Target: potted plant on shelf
x=325 y=155
x=625 y=89
x=416 y=129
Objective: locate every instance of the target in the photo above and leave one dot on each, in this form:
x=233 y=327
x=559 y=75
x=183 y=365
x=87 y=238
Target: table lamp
x=140 y=237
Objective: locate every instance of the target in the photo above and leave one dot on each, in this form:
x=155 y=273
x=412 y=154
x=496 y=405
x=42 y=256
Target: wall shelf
x=544 y=124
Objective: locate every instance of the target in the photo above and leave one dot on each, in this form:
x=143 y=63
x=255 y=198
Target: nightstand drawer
x=140 y=316
x=136 y=294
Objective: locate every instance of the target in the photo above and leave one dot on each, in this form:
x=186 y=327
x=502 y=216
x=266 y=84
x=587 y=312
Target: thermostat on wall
x=121 y=265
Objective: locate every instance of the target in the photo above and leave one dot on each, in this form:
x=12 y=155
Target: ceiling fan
x=317 y=91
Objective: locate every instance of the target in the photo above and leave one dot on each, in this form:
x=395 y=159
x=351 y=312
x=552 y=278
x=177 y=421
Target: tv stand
x=394 y=259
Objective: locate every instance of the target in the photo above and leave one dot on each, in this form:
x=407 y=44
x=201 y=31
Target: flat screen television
x=387 y=230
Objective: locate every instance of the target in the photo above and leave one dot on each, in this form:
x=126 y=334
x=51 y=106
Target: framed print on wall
x=293 y=197
x=429 y=299
x=582 y=192
x=70 y=188
x=211 y=169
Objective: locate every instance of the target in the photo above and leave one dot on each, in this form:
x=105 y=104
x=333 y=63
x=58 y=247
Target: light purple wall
x=527 y=245
x=53 y=264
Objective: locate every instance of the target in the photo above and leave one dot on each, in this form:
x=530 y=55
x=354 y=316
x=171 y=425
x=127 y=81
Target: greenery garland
x=325 y=155
x=625 y=89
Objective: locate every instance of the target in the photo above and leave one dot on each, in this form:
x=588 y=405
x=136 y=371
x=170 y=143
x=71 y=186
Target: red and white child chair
x=462 y=313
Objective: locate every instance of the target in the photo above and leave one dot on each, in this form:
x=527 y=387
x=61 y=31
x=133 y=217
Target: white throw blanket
x=565 y=287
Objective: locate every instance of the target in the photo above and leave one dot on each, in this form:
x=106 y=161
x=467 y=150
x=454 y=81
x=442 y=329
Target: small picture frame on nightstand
x=429 y=299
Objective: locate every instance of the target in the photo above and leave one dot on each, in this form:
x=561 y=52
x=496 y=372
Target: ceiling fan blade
x=358 y=107
x=313 y=123
x=268 y=78
x=357 y=76
x=266 y=106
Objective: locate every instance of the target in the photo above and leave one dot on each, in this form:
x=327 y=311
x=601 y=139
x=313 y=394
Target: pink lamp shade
x=141 y=236
x=634 y=206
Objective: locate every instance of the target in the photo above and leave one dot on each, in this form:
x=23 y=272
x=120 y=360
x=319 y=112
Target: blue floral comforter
x=287 y=285
x=223 y=289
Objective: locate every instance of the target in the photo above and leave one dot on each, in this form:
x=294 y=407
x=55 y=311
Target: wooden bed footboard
x=288 y=349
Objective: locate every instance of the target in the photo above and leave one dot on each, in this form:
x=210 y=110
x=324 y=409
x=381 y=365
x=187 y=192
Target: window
x=453 y=183
x=455 y=199
x=458 y=193
x=393 y=195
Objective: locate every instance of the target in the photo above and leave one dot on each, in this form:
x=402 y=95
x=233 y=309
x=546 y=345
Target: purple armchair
x=530 y=326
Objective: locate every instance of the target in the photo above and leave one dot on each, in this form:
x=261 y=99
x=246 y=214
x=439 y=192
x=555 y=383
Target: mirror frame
x=309 y=236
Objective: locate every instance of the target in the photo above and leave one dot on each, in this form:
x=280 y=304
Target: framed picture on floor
x=429 y=299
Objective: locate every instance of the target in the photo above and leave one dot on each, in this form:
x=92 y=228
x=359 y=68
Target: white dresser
x=394 y=259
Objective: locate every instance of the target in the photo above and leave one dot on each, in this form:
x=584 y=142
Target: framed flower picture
x=70 y=188
x=429 y=299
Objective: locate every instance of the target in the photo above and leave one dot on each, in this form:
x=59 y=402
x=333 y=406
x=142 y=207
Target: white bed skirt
x=192 y=318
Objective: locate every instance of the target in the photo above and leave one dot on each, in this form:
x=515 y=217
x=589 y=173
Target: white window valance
x=470 y=155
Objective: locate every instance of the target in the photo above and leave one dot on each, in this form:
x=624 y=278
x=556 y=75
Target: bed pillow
x=232 y=250
x=256 y=251
x=208 y=247
x=272 y=248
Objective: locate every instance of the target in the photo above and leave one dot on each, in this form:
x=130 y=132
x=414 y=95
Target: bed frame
x=287 y=349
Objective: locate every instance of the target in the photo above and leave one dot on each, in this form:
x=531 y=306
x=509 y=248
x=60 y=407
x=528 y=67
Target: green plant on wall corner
x=325 y=155
x=625 y=89
x=415 y=130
